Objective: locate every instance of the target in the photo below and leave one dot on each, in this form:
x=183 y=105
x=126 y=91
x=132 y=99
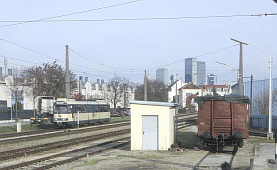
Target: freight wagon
x=44 y=109
x=223 y=120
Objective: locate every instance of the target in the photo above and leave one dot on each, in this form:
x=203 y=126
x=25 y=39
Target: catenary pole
x=269 y=134
x=67 y=81
x=270 y=99
x=240 y=76
x=145 y=87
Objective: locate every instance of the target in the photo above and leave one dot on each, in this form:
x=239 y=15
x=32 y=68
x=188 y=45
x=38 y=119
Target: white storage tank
x=152 y=125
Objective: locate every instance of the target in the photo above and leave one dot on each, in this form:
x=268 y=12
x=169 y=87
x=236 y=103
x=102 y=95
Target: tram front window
x=61 y=109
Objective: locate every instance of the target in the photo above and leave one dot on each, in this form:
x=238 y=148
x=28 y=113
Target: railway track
x=69 y=156
x=37 y=136
x=215 y=160
x=42 y=131
x=11 y=154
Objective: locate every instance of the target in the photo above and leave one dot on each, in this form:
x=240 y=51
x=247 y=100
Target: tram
x=71 y=112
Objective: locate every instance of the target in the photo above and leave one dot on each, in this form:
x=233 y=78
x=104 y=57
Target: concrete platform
x=263 y=153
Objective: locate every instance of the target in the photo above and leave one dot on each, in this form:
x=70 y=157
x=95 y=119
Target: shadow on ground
x=188 y=140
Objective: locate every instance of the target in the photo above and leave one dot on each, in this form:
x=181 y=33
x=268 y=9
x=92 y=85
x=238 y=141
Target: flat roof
x=153 y=103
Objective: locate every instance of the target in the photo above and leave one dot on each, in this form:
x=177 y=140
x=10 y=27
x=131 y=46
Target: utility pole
x=270 y=133
x=124 y=89
x=145 y=87
x=67 y=81
x=240 y=76
x=251 y=97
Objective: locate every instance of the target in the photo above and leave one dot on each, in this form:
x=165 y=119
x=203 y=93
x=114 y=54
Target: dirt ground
x=125 y=159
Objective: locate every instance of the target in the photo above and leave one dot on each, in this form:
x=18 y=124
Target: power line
x=146 y=19
x=196 y=56
x=89 y=59
x=20 y=60
x=75 y=13
x=28 y=49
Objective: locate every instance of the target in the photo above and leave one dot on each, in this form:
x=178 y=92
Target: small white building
x=220 y=90
x=173 y=91
x=188 y=90
x=152 y=125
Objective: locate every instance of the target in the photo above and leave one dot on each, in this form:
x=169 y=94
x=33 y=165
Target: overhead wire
x=45 y=56
x=195 y=56
x=28 y=49
x=89 y=59
x=74 y=13
x=79 y=66
x=145 y=19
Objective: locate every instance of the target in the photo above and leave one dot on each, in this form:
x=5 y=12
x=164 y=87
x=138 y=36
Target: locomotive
x=223 y=120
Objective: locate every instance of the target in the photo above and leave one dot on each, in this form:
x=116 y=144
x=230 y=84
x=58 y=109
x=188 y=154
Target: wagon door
x=240 y=112
x=222 y=119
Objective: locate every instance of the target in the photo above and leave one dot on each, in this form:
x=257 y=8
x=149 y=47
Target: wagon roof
x=228 y=98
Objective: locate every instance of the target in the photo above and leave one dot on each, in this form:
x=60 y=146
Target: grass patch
x=117 y=119
x=256 y=139
x=188 y=139
x=24 y=128
x=90 y=163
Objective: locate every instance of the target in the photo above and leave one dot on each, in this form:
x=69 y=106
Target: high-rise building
x=211 y=79
x=173 y=78
x=191 y=70
x=201 y=73
x=162 y=75
x=195 y=71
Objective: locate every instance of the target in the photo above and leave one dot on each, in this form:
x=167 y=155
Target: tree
x=48 y=80
x=261 y=103
x=79 y=97
x=115 y=90
x=14 y=89
x=156 y=91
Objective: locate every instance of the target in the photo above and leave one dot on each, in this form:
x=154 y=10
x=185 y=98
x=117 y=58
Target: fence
x=261 y=121
x=21 y=114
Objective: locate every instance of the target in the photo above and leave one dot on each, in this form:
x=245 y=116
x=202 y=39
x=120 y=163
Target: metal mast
x=67 y=81
x=240 y=76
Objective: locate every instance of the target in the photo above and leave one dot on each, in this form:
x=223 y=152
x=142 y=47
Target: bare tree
x=156 y=91
x=48 y=80
x=115 y=90
x=14 y=89
x=261 y=103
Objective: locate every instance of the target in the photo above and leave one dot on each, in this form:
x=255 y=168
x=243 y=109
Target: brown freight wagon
x=223 y=120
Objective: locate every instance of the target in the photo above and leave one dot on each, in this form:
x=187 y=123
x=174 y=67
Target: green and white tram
x=66 y=113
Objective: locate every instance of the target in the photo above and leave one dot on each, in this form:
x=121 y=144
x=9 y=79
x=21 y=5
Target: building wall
x=184 y=93
x=211 y=79
x=191 y=70
x=6 y=94
x=162 y=75
x=201 y=73
x=195 y=71
x=165 y=124
x=172 y=90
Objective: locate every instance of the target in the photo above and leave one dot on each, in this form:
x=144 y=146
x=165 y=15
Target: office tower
x=162 y=75
x=211 y=79
x=195 y=71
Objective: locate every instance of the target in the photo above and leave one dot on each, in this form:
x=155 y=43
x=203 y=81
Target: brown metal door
x=222 y=119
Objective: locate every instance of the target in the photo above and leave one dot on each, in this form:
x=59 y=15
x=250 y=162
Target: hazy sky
x=128 y=38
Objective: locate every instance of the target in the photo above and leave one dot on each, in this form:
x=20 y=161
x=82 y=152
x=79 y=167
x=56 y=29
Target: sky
x=126 y=37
